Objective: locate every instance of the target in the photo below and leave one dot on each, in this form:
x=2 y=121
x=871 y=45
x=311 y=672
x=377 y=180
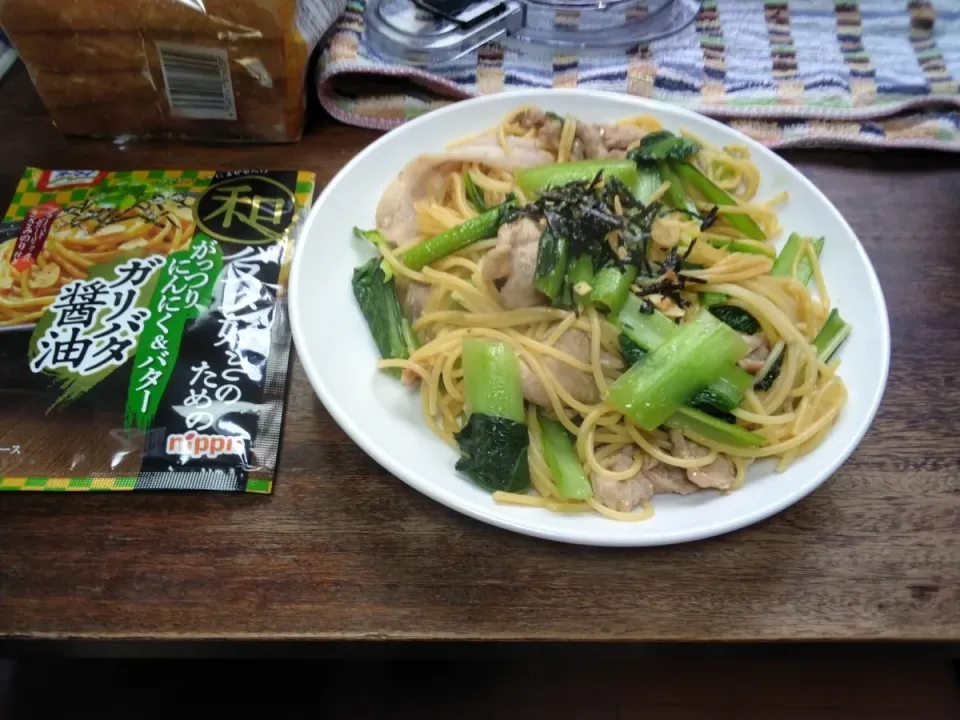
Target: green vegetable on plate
x=494 y=440
x=378 y=301
x=561 y=456
x=537 y=179
x=456 y=238
x=694 y=357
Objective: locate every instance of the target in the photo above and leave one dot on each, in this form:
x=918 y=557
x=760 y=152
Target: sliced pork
x=720 y=474
x=604 y=140
x=592 y=140
x=514 y=259
x=757 y=353
x=620 y=137
x=547 y=128
x=654 y=478
x=413 y=297
x=579 y=383
x=424 y=176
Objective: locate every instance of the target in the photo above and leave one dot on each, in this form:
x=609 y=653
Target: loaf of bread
x=210 y=69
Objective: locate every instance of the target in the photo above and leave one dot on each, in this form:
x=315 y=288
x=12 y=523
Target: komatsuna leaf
x=663 y=145
x=495 y=453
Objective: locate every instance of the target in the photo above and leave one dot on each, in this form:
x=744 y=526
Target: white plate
x=383 y=417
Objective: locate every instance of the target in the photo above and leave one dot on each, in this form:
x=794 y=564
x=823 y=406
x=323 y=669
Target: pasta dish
x=595 y=314
x=114 y=220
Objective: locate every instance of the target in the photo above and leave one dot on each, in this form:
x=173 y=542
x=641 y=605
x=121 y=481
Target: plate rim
x=575 y=535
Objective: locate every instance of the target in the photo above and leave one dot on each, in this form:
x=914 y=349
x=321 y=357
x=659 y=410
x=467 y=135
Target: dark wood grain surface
x=343 y=550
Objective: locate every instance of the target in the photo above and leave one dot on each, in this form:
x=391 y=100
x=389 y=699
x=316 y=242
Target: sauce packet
x=144 y=337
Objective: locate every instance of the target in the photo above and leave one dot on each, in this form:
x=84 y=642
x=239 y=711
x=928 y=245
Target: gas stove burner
x=431 y=32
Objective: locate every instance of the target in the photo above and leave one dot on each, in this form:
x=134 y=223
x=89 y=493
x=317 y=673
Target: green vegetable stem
x=647 y=332
x=700 y=416
x=713 y=194
x=695 y=356
x=551 y=268
x=698 y=425
x=474 y=194
x=831 y=336
x=649 y=181
x=537 y=179
x=561 y=455
x=611 y=286
x=676 y=196
x=580 y=279
x=709 y=299
x=494 y=441
x=670 y=153
x=456 y=238
x=784 y=264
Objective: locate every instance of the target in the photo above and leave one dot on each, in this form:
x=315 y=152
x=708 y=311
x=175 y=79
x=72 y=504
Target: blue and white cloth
x=875 y=73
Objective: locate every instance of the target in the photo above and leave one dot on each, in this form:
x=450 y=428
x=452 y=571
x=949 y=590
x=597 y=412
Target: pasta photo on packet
x=144 y=338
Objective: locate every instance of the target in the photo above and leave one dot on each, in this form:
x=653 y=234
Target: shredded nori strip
x=766 y=382
x=706 y=221
x=709 y=219
x=582 y=212
x=670 y=282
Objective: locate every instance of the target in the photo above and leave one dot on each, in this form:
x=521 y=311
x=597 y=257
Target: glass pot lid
x=427 y=32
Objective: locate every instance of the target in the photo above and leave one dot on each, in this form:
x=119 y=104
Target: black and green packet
x=144 y=337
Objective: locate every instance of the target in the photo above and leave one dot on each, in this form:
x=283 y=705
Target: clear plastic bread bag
x=212 y=70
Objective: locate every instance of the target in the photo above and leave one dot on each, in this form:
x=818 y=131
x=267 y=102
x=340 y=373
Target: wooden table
x=342 y=550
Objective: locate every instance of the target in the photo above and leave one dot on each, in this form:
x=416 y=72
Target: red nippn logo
x=211 y=446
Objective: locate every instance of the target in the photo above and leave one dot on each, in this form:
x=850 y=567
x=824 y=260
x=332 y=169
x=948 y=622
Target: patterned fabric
x=878 y=73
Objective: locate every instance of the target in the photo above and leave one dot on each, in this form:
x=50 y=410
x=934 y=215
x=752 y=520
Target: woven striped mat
x=878 y=73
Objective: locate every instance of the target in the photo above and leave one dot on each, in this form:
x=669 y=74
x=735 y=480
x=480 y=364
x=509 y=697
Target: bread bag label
x=143 y=325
